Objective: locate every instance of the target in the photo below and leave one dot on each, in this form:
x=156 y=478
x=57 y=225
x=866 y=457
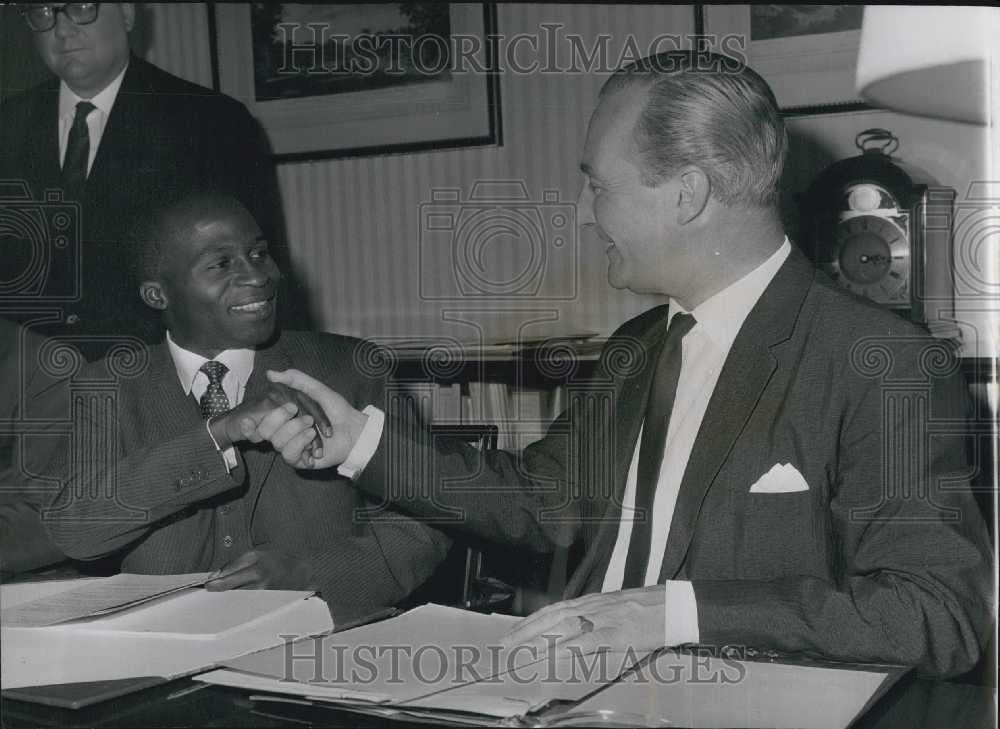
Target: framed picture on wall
x=347 y=80
x=807 y=53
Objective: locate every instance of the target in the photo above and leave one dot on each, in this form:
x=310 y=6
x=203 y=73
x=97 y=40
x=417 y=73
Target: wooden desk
x=911 y=704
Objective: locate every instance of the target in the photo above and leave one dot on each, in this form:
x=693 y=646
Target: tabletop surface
x=913 y=703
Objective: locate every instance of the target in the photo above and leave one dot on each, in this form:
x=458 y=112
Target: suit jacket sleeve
x=364 y=556
x=107 y=498
x=531 y=500
x=913 y=575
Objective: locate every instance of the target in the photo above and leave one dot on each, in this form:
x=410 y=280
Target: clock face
x=870 y=256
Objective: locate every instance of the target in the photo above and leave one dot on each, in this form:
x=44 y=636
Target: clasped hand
x=292 y=434
x=276 y=404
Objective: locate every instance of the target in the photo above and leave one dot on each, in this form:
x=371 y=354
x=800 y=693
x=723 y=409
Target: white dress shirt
x=234 y=383
x=703 y=353
x=96 y=120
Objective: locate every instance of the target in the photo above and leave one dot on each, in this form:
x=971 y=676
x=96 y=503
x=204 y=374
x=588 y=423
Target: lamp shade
x=929 y=60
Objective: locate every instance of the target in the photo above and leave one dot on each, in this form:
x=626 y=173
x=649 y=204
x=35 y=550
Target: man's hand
x=292 y=436
x=610 y=621
x=264 y=569
x=241 y=422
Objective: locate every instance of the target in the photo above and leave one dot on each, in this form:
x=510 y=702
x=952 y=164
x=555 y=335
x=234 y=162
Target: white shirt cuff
x=228 y=455
x=681 y=613
x=365 y=446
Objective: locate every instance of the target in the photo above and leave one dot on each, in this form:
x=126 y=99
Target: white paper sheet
x=173 y=643
x=96 y=597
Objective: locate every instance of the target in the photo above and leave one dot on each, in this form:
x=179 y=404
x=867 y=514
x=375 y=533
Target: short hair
x=713 y=112
x=154 y=227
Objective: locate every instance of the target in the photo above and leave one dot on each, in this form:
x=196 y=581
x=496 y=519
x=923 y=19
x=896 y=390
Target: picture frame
x=810 y=73
x=308 y=117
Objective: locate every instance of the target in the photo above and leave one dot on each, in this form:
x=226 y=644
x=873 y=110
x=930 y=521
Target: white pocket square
x=783 y=478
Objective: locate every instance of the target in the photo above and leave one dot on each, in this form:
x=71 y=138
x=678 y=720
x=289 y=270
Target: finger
x=245 y=560
x=548 y=615
x=291 y=429
x=312 y=407
x=545 y=621
x=275 y=419
x=299 y=381
x=248 y=429
x=551 y=640
x=296 y=453
x=588 y=643
x=247 y=577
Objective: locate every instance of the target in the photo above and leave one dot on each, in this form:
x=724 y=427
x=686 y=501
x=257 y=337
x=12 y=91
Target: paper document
x=96 y=597
x=685 y=689
x=174 y=635
x=432 y=660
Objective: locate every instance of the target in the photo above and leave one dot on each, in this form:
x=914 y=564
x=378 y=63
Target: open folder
x=433 y=662
x=448 y=666
x=165 y=635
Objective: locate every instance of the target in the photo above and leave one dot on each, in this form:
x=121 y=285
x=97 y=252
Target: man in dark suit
x=115 y=134
x=180 y=490
x=765 y=461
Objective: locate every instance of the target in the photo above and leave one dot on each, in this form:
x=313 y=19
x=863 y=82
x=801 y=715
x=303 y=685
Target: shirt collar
x=103 y=101
x=188 y=364
x=722 y=315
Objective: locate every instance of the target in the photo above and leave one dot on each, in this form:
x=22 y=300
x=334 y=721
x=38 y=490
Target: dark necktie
x=74 y=171
x=214 y=401
x=654 y=438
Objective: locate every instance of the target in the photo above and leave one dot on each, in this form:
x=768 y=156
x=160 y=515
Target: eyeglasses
x=42 y=18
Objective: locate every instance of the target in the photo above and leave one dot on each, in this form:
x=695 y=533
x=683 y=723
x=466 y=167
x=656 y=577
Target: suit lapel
x=259 y=458
x=748 y=368
x=120 y=135
x=170 y=411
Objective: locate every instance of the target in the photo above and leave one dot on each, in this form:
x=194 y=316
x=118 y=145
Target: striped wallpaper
x=354 y=224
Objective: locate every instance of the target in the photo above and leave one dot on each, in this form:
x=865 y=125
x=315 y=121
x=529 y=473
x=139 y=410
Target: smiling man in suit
x=183 y=490
x=765 y=460
x=114 y=134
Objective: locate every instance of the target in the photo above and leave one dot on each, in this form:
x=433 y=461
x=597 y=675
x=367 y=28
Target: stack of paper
x=90 y=598
x=447 y=666
x=433 y=662
x=162 y=634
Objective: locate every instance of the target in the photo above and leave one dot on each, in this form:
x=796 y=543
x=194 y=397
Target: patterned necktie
x=214 y=401
x=74 y=171
x=654 y=438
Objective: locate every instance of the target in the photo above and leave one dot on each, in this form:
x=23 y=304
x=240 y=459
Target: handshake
x=308 y=423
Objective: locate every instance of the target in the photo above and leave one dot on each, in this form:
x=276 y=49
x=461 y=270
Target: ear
x=693 y=191
x=128 y=15
x=153 y=295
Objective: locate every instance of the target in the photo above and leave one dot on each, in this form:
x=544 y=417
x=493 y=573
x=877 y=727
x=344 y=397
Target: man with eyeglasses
x=115 y=133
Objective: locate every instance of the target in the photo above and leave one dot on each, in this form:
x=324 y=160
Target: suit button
x=227 y=541
x=72 y=319
x=226 y=509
